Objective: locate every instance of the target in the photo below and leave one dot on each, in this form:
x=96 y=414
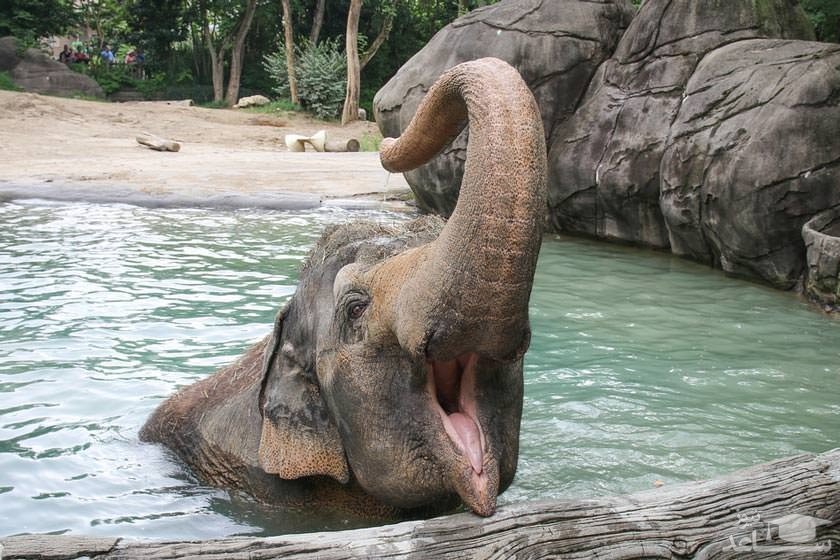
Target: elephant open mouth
x=452 y=387
x=452 y=384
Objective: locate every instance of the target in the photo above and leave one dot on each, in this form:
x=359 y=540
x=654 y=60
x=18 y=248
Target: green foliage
x=6 y=82
x=277 y=106
x=110 y=79
x=825 y=17
x=370 y=142
x=119 y=76
x=108 y=19
x=321 y=75
x=158 y=27
x=275 y=65
x=32 y=19
x=171 y=34
x=28 y=40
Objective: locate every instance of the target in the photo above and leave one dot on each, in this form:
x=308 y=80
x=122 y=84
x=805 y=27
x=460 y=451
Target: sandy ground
x=73 y=149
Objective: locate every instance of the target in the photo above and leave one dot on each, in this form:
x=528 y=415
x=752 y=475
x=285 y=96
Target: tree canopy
x=36 y=18
x=206 y=49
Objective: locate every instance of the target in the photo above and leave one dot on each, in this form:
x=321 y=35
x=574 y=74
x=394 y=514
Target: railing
x=789 y=508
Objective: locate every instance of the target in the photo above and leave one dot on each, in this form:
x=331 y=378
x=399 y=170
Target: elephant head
x=407 y=371
x=397 y=365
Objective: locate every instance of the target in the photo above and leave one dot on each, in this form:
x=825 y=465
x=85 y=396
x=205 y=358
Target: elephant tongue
x=470 y=439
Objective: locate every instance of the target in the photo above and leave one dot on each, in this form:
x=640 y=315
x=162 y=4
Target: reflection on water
x=642 y=368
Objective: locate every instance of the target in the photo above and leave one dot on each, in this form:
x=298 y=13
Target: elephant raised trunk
x=461 y=301
x=469 y=291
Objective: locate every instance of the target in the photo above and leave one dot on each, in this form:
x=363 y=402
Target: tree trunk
x=463 y=7
x=351 y=99
x=217 y=71
x=238 y=54
x=730 y=517
x=317 y=21
x=380 y=39
x=217 y=58
x=290 y=51
x=198 y=57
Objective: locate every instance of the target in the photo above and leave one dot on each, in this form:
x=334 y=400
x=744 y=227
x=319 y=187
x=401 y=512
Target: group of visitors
x=69 y=55
x=78 y=53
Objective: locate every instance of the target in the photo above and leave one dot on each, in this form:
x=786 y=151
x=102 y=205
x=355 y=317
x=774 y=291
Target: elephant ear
x=299 y=437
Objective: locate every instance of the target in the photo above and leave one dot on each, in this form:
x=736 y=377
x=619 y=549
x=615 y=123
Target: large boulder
x=712 y=130
x=753 y=154
x=604 y=161
x=556 y=45
x=36 y=72
x=8 y=54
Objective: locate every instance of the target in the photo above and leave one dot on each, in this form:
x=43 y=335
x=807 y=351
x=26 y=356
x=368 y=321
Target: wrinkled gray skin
x=392 y=383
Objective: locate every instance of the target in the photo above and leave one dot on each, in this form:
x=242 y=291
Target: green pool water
x=642 y=367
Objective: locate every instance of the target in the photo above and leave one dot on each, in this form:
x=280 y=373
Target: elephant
x=392 y=382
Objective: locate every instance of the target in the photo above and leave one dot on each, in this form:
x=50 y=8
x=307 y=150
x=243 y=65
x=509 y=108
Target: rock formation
x=555 y=44
x=36 y=72
x=822 y=241
x=604 y=161
x=711 y=130
x=753 y=153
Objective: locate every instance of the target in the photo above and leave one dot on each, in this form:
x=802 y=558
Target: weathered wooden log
x=158 y=143
x=351 y=145
x=785 y=509
x=319 y=141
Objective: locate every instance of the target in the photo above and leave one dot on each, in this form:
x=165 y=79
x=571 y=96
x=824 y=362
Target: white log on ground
x=722 y=518
x=157 y=143
x=351 y=145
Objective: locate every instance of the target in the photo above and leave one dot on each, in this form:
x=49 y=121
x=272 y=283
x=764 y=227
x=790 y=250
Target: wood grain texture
x=699 y=520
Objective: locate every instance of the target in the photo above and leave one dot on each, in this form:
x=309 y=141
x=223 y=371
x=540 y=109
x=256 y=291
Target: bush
x=321 y=76
x=6 y=82
x=113 y=78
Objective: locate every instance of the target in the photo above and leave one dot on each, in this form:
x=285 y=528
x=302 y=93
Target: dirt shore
x=74 y=149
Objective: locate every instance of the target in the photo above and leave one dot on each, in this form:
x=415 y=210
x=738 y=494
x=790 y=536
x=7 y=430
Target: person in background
x=140 y=60
x=108 y=55
x=66 y=55
x=80 y=52
x=130 y=57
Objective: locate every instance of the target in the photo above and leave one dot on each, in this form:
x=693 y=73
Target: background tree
x=225 y=26
x=317 y=21
x=389 y=11
x=157 y=26
x=238 y=54
x=357 y=63
x=289 y=34
x=108 y=19
x=35 y=18
x=351 y=99
x=200 y=49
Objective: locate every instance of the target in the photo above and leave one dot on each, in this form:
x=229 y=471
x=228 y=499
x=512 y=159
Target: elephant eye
x=357 y=309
